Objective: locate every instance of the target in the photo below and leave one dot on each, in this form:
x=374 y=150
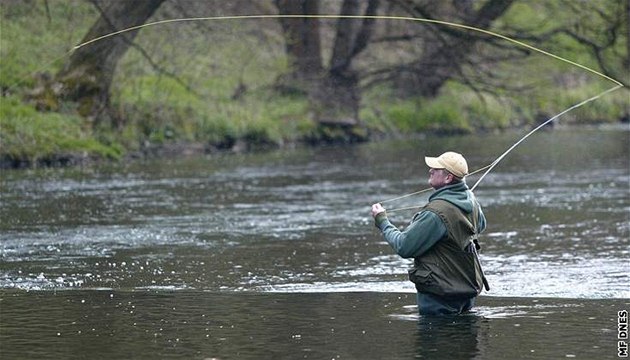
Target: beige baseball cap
x=451 y=161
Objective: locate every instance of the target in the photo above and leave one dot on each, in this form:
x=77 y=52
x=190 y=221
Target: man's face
x=439 y=178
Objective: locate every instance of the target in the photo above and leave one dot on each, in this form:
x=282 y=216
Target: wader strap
x=475 y=242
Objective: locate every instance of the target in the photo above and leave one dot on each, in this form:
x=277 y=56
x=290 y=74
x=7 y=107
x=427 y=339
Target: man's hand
x=377 y=209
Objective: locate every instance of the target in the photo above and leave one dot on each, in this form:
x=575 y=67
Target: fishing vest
x=451 y=268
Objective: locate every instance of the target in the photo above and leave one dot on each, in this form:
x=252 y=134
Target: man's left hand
x=377 y=209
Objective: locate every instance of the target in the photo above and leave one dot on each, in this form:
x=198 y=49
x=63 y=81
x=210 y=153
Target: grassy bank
x=216 y=90
x=29 y=137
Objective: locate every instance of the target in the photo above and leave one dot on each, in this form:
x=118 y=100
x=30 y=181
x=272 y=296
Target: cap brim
x=433 y=162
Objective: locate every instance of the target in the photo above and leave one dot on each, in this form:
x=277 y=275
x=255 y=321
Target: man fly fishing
x=442 y=240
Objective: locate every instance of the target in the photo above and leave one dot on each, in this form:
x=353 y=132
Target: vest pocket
x=422 y=276
x=424 y=280
x=455 y=276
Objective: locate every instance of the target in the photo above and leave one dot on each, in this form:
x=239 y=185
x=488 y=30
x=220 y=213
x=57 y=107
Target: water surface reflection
x=275 y=256
x=297 y=221
x=192 y=324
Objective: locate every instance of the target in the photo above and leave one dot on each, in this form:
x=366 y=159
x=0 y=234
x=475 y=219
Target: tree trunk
x=337 y=97
x=87 y=76
x=627 y=35
x=303 y=45
x=333 y=93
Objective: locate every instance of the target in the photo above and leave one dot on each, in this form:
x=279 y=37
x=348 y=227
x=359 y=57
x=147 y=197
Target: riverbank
x=90 y=152
x=187 y=149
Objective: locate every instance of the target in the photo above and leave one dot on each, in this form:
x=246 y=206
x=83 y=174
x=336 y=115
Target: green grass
x=162 y=110
x=31 y=43
x=26 y=134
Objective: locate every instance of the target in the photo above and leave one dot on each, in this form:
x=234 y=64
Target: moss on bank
x=28 y=137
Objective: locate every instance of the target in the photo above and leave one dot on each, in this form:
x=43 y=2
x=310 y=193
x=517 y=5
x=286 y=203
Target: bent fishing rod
x=489 y=167
x=492 y=165
x=326 y=16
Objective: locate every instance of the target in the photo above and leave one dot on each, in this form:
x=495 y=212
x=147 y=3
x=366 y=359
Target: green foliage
x=158 y=110
x=26 y=134
x=488 y=114
x=162 y=110
x=436 y=115
x=257 y=123
x=404 y=116
x=33 y=43
x=608 y=109
x=443 y=115
x=481 y=111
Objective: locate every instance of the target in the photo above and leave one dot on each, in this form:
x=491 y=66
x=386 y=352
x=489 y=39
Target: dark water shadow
x=453 y=337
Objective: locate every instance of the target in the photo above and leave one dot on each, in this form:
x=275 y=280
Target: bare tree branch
x=154 y=65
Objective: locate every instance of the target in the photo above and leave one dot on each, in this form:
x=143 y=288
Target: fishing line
x=384 y=17
x=495 y=162
x=420 y=192
x=406 y=18
x=427 y=189
x=504 y=154
x=324 y=16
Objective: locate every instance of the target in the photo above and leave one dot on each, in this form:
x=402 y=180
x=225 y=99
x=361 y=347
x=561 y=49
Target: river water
x=274 y=255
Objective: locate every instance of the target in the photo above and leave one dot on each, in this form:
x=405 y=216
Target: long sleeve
x=482 y=221
x=422 y=233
